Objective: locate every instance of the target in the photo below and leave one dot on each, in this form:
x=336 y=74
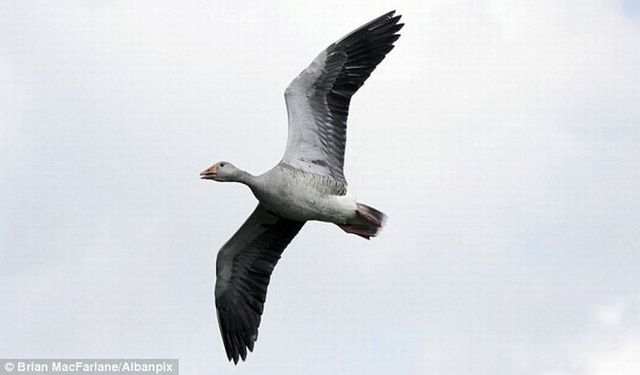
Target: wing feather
x=318 y=99
x=243 y=270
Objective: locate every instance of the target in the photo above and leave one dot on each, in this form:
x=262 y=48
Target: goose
x=307 y=184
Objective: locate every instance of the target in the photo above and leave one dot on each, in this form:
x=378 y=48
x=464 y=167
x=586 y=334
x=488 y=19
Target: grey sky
x=501 y=138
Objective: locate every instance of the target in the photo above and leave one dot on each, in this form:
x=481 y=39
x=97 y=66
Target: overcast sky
x=501 y=138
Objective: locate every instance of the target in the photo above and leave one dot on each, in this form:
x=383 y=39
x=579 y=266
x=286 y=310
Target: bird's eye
x=222 y=164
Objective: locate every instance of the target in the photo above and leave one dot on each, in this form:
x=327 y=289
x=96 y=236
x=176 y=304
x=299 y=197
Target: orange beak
x=209 y=174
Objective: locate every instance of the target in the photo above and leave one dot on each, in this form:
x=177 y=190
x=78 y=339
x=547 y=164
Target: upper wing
x=318 y=99
x=243 y=270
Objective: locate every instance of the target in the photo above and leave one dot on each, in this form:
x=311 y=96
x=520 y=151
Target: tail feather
x=368 y=224
x=372 y=215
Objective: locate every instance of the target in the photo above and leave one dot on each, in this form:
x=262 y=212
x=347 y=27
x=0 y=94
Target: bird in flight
x=307 y=184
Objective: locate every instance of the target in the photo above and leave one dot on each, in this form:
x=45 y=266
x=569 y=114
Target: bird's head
x=221 y=171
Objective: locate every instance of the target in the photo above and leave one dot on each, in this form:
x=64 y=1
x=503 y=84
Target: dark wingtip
x=388 y=16
x=236 y=348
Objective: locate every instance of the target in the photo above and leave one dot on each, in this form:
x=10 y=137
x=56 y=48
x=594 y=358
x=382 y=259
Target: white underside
x=295 y=197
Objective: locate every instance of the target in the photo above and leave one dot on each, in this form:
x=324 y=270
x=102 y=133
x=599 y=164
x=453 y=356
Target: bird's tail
x=368 y=222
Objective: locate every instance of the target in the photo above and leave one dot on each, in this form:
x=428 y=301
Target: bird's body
x=296 y=195
x=307 y=184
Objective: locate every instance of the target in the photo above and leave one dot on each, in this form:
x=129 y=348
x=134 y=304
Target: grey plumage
x=318 y=99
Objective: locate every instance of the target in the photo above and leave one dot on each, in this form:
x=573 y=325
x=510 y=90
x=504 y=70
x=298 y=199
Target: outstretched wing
x=318 y=99
x=243 y=270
